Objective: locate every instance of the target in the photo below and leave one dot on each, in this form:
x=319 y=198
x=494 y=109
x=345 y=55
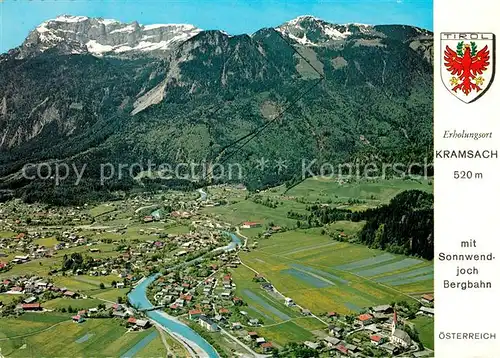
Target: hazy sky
x=19 y=17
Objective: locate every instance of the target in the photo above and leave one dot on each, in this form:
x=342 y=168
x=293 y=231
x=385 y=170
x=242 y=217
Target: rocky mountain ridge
x=342 y=93
x=97 y=36
x=80 y=34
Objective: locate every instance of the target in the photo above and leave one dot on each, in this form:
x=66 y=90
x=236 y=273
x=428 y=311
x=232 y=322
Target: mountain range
x=87 y=91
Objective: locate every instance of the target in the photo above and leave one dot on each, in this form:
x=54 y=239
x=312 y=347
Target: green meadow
x=281 y=324
x=308 y=267
x=50 y=335
x=425 y=329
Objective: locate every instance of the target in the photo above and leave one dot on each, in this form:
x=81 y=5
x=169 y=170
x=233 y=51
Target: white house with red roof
x=365 y=319
x=250 y=224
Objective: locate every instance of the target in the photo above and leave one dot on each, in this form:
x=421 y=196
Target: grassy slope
x=108 y=338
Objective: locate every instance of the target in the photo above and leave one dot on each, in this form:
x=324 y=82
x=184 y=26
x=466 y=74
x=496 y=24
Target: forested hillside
x=349 y=94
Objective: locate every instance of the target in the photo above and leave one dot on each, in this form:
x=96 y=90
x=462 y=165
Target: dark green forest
x=226 y=100
x=403 y=226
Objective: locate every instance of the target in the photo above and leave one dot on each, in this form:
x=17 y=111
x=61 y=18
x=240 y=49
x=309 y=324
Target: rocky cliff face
x=80 y=34
x=94 y=91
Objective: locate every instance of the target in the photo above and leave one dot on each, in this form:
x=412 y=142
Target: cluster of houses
x=33 y=285
x=217 y=307
x=27 y=249
x=209 y=301
x=250 y=225
x=213 y=323
x=14 y=214
x=179 y=294
x=381 y=327
x=259 y=341
x=32 y=290
x=23 y=244
x=118 y=311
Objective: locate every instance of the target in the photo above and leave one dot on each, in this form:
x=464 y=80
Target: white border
x=466 y=209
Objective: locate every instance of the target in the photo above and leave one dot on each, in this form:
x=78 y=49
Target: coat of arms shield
x=467 y=63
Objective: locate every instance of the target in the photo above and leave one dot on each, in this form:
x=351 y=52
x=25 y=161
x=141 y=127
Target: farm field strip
x=403 y=275
x=353 y=307
x=293 y=245
x=314 y=281
x=273 y=270
x=91 y=338
x=84 y=338
x=411 y=280
x=285 y=332
x=296 y=251
x=366 y=262
x=320 y=272
x=338 y=255
x=259 y=312
x=140 y=345
x=359 y=293
x=262 y=302
x=407 y=262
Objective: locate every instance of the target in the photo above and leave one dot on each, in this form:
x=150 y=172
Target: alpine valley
x=87 y=91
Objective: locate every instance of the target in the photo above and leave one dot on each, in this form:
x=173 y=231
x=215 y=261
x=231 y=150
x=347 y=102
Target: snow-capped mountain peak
x=312 y=31
x=98 y=36
x=70 y=18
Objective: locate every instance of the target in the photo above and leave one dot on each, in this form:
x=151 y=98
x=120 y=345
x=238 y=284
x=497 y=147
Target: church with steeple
x=398 y=336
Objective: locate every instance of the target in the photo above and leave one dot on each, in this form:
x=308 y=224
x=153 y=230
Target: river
x=203 y=194
x=137 y=298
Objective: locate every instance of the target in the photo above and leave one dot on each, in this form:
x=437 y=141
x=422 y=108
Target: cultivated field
x=53 y=335
x=327 y=275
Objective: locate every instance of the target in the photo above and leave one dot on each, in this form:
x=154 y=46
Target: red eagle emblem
x=467 y=64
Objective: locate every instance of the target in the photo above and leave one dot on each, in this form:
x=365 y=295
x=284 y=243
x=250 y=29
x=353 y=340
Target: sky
x=19 y=17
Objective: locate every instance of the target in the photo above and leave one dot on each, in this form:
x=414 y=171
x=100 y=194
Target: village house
x=389 y=348
x=30 y=299
x=207 y=323
x=226 y=295
x=30 y=306
x=138 y=323
x=428 y=298
x=148 y=219
x=385 y=309
x=70 y=294
x=427 y=311
x=312 y=345
x=250 y=224
x=350 y=347
x=120 y=314
x=266 y=347
x=78 y=319
x=331 y=315
x=142 y=323
x=335 y=331
x=194 y=314
x=376 y=340
x=260 y=340
x=252 y=335
x=253 y=322
x=21 y=259
x=342 y=349
x=365 y=319
x=331 y=342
